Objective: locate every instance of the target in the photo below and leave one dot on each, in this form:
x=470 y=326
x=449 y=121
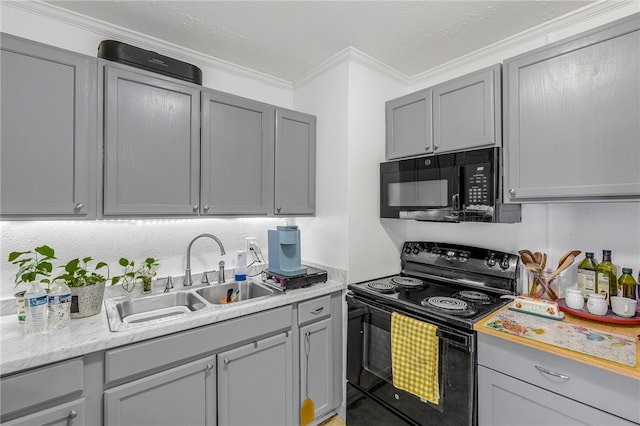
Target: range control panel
x=460 y=257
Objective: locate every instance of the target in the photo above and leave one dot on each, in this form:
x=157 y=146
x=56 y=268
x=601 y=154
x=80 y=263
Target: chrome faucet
x=187 y=273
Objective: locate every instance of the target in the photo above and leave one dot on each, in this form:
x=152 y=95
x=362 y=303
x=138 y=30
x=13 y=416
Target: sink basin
x=125 y=311
x=217 y=293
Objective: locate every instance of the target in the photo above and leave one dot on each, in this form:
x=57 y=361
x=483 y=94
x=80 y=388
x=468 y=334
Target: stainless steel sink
x=127 y=312
x=124 y=311
x=249 y=290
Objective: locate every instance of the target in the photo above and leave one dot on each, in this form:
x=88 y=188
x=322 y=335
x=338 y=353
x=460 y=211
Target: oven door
x=371 y=396
x=424 y=188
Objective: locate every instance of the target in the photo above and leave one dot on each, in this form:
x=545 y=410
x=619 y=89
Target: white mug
x=574 y=299
x=623 y=306
x=597 y=304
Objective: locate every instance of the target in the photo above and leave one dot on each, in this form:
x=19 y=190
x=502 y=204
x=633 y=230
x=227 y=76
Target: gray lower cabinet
x=48 y=132
x=184 y=395
x=47 y=395
x=236 y=155
x=571 y=118
x=467 y=111
x=255 y=383
x=409 y=125
x=295 y=163
x=69 y=414
x=316 y=366
x=507 y=401
x=151 y=144
x=519 y=385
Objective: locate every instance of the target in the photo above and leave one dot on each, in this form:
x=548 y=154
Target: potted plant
x=145 y=272
x=32 y=264
x=86 y=285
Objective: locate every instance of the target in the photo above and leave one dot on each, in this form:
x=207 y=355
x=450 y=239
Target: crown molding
x=349 y=54
x=144 y=41
x=590 y=13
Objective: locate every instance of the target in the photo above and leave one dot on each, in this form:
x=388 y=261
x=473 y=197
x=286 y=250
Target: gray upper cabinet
x=408 y=125
x=48 y=132
x=295 y=163
x=151 y=144
x=467 y=111
x=571 y=118
x=236 y=155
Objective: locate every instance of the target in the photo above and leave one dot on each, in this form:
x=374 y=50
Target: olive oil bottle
x=606 y=281
x=627 y=284
x=587 y=275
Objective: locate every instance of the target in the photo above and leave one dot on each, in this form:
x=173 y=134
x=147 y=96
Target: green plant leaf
x=46 y=251
x=16 y=254
x=100 y=265
x=124 y=262
x=72 y=266
x=87 y=259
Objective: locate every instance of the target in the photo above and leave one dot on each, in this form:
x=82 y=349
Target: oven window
x=424 y=193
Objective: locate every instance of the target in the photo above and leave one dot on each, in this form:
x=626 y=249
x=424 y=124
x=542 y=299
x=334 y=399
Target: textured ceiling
x=287 y=39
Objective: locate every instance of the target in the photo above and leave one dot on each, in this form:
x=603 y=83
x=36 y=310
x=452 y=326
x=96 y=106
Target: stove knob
x=407 y=249
x=491 y=261
x=416 y=249
x=504 y=263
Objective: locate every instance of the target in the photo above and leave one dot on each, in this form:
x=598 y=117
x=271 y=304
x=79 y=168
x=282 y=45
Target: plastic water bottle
x=35 y=307
x=59 y=306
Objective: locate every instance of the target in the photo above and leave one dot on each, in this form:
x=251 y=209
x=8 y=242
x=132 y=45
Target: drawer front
x=41 y=385
x=142 y=358
x=605 y=390
x=314 y=310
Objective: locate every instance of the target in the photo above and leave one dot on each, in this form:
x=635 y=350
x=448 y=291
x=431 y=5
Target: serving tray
x=609 y=317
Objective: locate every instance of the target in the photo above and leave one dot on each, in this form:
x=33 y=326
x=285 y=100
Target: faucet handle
x=205 y=278
x=221 y=278
x=169 y=285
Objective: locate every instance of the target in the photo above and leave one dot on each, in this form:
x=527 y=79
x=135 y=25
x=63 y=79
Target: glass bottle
x=606 y=281
x=587 y=275
x=627 y=284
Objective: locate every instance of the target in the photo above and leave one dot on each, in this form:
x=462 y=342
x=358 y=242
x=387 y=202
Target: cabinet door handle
x=72 y=414
x=552 y=373
x=318 y=310
x=78 y=207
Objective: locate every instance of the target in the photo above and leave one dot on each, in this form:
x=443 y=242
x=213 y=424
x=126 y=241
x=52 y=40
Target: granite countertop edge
x=626 y=330
x=21 y=352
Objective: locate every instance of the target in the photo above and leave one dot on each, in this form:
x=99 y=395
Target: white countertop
x=20 y=352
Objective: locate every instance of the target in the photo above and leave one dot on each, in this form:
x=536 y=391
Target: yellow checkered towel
x=414 y=357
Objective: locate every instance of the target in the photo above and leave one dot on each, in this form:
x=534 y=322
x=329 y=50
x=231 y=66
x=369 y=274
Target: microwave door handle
x=455 y=202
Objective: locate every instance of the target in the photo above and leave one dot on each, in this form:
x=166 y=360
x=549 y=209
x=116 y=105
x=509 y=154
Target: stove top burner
x=447 y=303
x=382 y=287
x=474 y=296
x=407 y=282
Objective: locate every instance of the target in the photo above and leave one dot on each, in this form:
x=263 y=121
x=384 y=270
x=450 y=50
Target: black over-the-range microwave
x=453 y=187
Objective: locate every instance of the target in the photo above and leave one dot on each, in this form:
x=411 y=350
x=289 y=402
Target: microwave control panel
x=478 y=184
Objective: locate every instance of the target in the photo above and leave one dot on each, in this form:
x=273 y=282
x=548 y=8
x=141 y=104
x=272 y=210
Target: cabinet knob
x=209 y=366
x=435 y=147
x=278 y=209
x=427 y=148
x=512 y=192
x=78 y=207
x=72 y=414
x=226 y=361
x=205 y=208
x=195 y=208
